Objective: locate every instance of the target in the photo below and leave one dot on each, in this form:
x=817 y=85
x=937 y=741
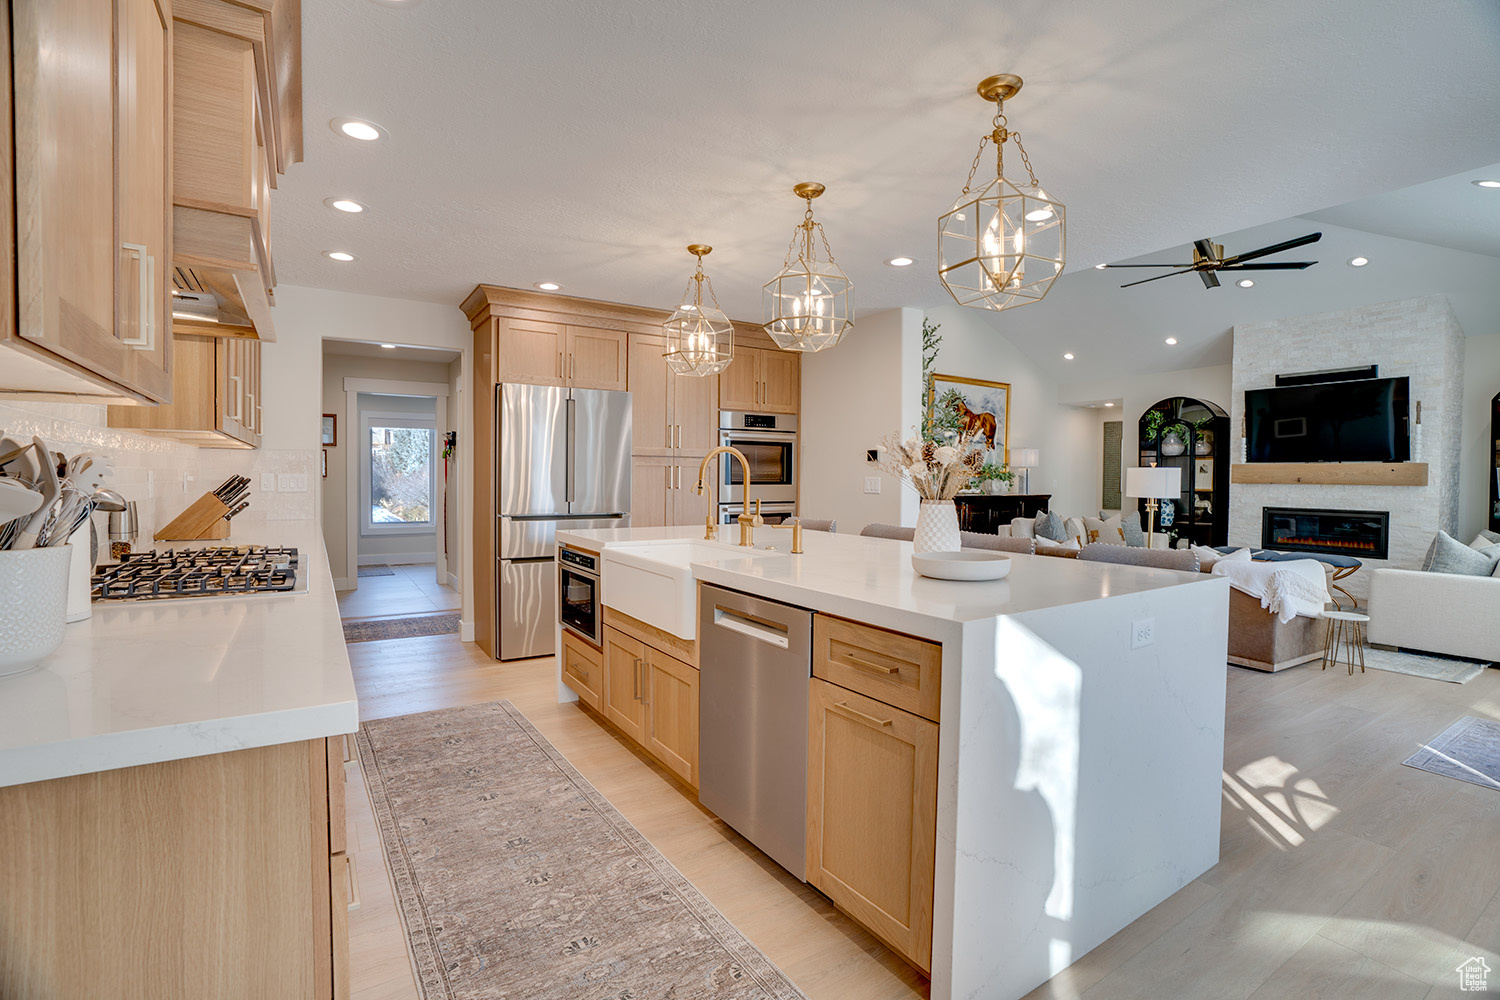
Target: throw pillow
x=1073 y=526
x=1130 y=526
x=1103 y=529
x=1049 y=524
x=1485 y=539
x=1448 y=555
x=1023 y=527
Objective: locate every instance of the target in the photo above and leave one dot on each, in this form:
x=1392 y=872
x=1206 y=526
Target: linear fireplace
x=1359 y=533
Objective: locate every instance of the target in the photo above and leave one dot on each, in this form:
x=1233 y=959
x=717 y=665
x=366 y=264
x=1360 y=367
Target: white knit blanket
x=1286 y=589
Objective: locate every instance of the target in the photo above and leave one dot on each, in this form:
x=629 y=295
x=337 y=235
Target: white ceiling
x=1447 y=212
x=588 y=143
x=367 y=349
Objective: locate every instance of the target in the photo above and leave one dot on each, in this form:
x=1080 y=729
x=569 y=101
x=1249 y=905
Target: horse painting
x=975 y=424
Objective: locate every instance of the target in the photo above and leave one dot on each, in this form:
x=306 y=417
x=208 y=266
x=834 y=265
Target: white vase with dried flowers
x=937 y=472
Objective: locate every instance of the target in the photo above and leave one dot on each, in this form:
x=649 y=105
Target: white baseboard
x=453 y=582
x=465 y=631
x=399 y=559
x=339 y=583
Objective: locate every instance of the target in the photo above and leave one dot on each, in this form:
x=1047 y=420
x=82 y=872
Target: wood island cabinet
x=624 y=683
x=762 y=380
x=219 y=876
x=650 y=695
x=583 y=670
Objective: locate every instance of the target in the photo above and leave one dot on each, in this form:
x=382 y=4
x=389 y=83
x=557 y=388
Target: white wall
x=1068 y=437
x=293 y=381
x=852 y=397
x=1481 y=382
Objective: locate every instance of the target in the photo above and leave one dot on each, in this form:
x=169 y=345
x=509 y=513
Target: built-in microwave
x=578 y=599
x=769 y=443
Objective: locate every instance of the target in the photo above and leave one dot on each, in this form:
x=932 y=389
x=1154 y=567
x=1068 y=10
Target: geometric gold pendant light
x=809 y=305
x=1001 y=246
x=700 y=338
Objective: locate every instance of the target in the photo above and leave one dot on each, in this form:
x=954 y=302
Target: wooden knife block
x=204 y=519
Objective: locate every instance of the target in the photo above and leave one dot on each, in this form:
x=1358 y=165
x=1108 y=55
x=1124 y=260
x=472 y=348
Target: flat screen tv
x=1364 y=420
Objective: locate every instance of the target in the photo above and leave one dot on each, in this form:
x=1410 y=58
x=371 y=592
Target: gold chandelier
x=809 y=305
x=700 y=339
x=1003 y=246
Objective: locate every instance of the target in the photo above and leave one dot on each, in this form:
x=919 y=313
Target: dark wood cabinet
x=1191 y=435
x=1494 y=476
x=985 y=514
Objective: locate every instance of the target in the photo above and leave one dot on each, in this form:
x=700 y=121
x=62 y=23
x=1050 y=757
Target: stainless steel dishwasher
x=755 y=659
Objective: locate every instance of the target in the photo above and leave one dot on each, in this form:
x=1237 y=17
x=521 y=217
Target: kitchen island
x=1077 y=779
x=171 y=797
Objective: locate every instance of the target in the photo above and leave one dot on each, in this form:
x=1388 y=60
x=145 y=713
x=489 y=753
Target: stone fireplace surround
x=1419 y=338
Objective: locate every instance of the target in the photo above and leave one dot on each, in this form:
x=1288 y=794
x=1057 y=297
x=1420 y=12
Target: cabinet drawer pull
x=862 y=717
x=872 y=667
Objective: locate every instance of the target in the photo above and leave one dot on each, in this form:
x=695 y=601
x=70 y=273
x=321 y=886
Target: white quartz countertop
x=871 y=579
x=150 y=681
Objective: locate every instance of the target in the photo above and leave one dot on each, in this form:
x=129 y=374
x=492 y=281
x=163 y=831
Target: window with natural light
x=399 y=477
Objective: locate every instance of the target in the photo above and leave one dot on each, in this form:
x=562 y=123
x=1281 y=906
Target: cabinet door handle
x=877 y=668
x=570 y=366
x=868 y=720
x=234 y=394
x=251 y=412
x=636 y=674
x=559 y=365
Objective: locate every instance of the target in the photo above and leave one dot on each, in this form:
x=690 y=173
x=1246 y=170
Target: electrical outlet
x=268 y=482
x=1142 y=633
x=872 y=484
x=291 y=482
x=187 y=482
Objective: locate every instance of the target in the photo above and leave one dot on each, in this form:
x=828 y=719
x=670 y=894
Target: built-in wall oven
x=578 y=593
x=769 y=443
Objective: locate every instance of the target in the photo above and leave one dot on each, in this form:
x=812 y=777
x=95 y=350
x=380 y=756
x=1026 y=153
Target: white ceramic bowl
x=965 y=565
x=33 y=605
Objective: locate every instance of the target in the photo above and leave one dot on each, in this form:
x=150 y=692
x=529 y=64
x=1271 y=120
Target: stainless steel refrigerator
x=563 y=457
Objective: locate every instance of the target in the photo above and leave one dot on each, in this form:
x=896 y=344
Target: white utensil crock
x=80 y=577
x=33 y=605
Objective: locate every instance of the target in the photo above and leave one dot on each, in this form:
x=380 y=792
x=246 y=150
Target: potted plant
x=994 y=478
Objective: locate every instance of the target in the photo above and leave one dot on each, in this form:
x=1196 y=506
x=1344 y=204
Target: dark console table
x=985 y=514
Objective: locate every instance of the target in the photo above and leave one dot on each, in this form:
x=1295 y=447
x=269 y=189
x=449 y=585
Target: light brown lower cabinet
x=583 y=670
x=872 y=815
x=651 y=697
x=212 y=876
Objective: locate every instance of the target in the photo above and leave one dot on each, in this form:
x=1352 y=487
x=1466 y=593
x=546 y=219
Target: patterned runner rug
x=400 y=628
x=515 y=878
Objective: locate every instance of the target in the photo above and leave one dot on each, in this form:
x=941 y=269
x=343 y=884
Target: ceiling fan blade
x=1148 y=265
x=1158 y=277
x=1300 y=241
x=1210 y=280
x=1205 y=248
x=1291 y=265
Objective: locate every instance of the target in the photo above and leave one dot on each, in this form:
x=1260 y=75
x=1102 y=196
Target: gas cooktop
x=219 y=571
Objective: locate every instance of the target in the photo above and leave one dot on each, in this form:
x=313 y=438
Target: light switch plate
x=1142 y=632
x=291 y=482
x=872 y=484
x=150 y=484
x=268 y=482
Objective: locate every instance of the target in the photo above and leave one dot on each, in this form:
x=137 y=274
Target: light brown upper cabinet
x=85 y=154
x=237 y=120
x=671 y=414
x=662 y=491
x=541 y=353
x=216 y=396
x=762 y=380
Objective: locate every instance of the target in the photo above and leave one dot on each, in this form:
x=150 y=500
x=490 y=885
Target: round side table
x=1347 y=629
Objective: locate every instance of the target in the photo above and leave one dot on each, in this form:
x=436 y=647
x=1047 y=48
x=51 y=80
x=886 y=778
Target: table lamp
x=1025 y=459
x=1152 y=484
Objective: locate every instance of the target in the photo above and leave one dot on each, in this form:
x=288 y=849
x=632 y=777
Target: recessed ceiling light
x=901 y=261
x=1100 y=267
x=1358 y=261
x=1039 y=215
x=1171 y=341
x=1487 y=184
x=339 y=255
x=357 y=128
x=1068 y=356
x=547 y=286
x=1109 y=404
x=1245 y=283
x=389 y=347
x=344 y=205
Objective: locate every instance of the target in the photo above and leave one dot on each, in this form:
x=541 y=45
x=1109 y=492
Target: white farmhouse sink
x=654 y=583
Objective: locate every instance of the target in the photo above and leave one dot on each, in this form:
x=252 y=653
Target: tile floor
x=409 y=590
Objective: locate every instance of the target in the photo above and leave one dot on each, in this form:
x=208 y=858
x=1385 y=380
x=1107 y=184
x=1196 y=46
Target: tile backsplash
x=162 y=475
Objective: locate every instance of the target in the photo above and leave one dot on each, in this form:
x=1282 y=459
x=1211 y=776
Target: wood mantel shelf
x=1331 y=473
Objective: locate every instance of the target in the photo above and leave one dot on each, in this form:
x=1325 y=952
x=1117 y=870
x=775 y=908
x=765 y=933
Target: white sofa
x=1436 y=612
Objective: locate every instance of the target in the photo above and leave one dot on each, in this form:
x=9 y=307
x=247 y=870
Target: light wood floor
x=1343 y=874
x=409 y=590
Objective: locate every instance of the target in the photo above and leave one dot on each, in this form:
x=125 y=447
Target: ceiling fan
x=1209 y=258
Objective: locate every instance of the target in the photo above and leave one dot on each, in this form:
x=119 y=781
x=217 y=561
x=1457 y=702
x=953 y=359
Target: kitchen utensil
x=19 y=461
x=108 y=499
x=236 y=510
x=965 y=564
x=33 y=605
x=16 y=500
x=49 y=487
x=80 y=575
